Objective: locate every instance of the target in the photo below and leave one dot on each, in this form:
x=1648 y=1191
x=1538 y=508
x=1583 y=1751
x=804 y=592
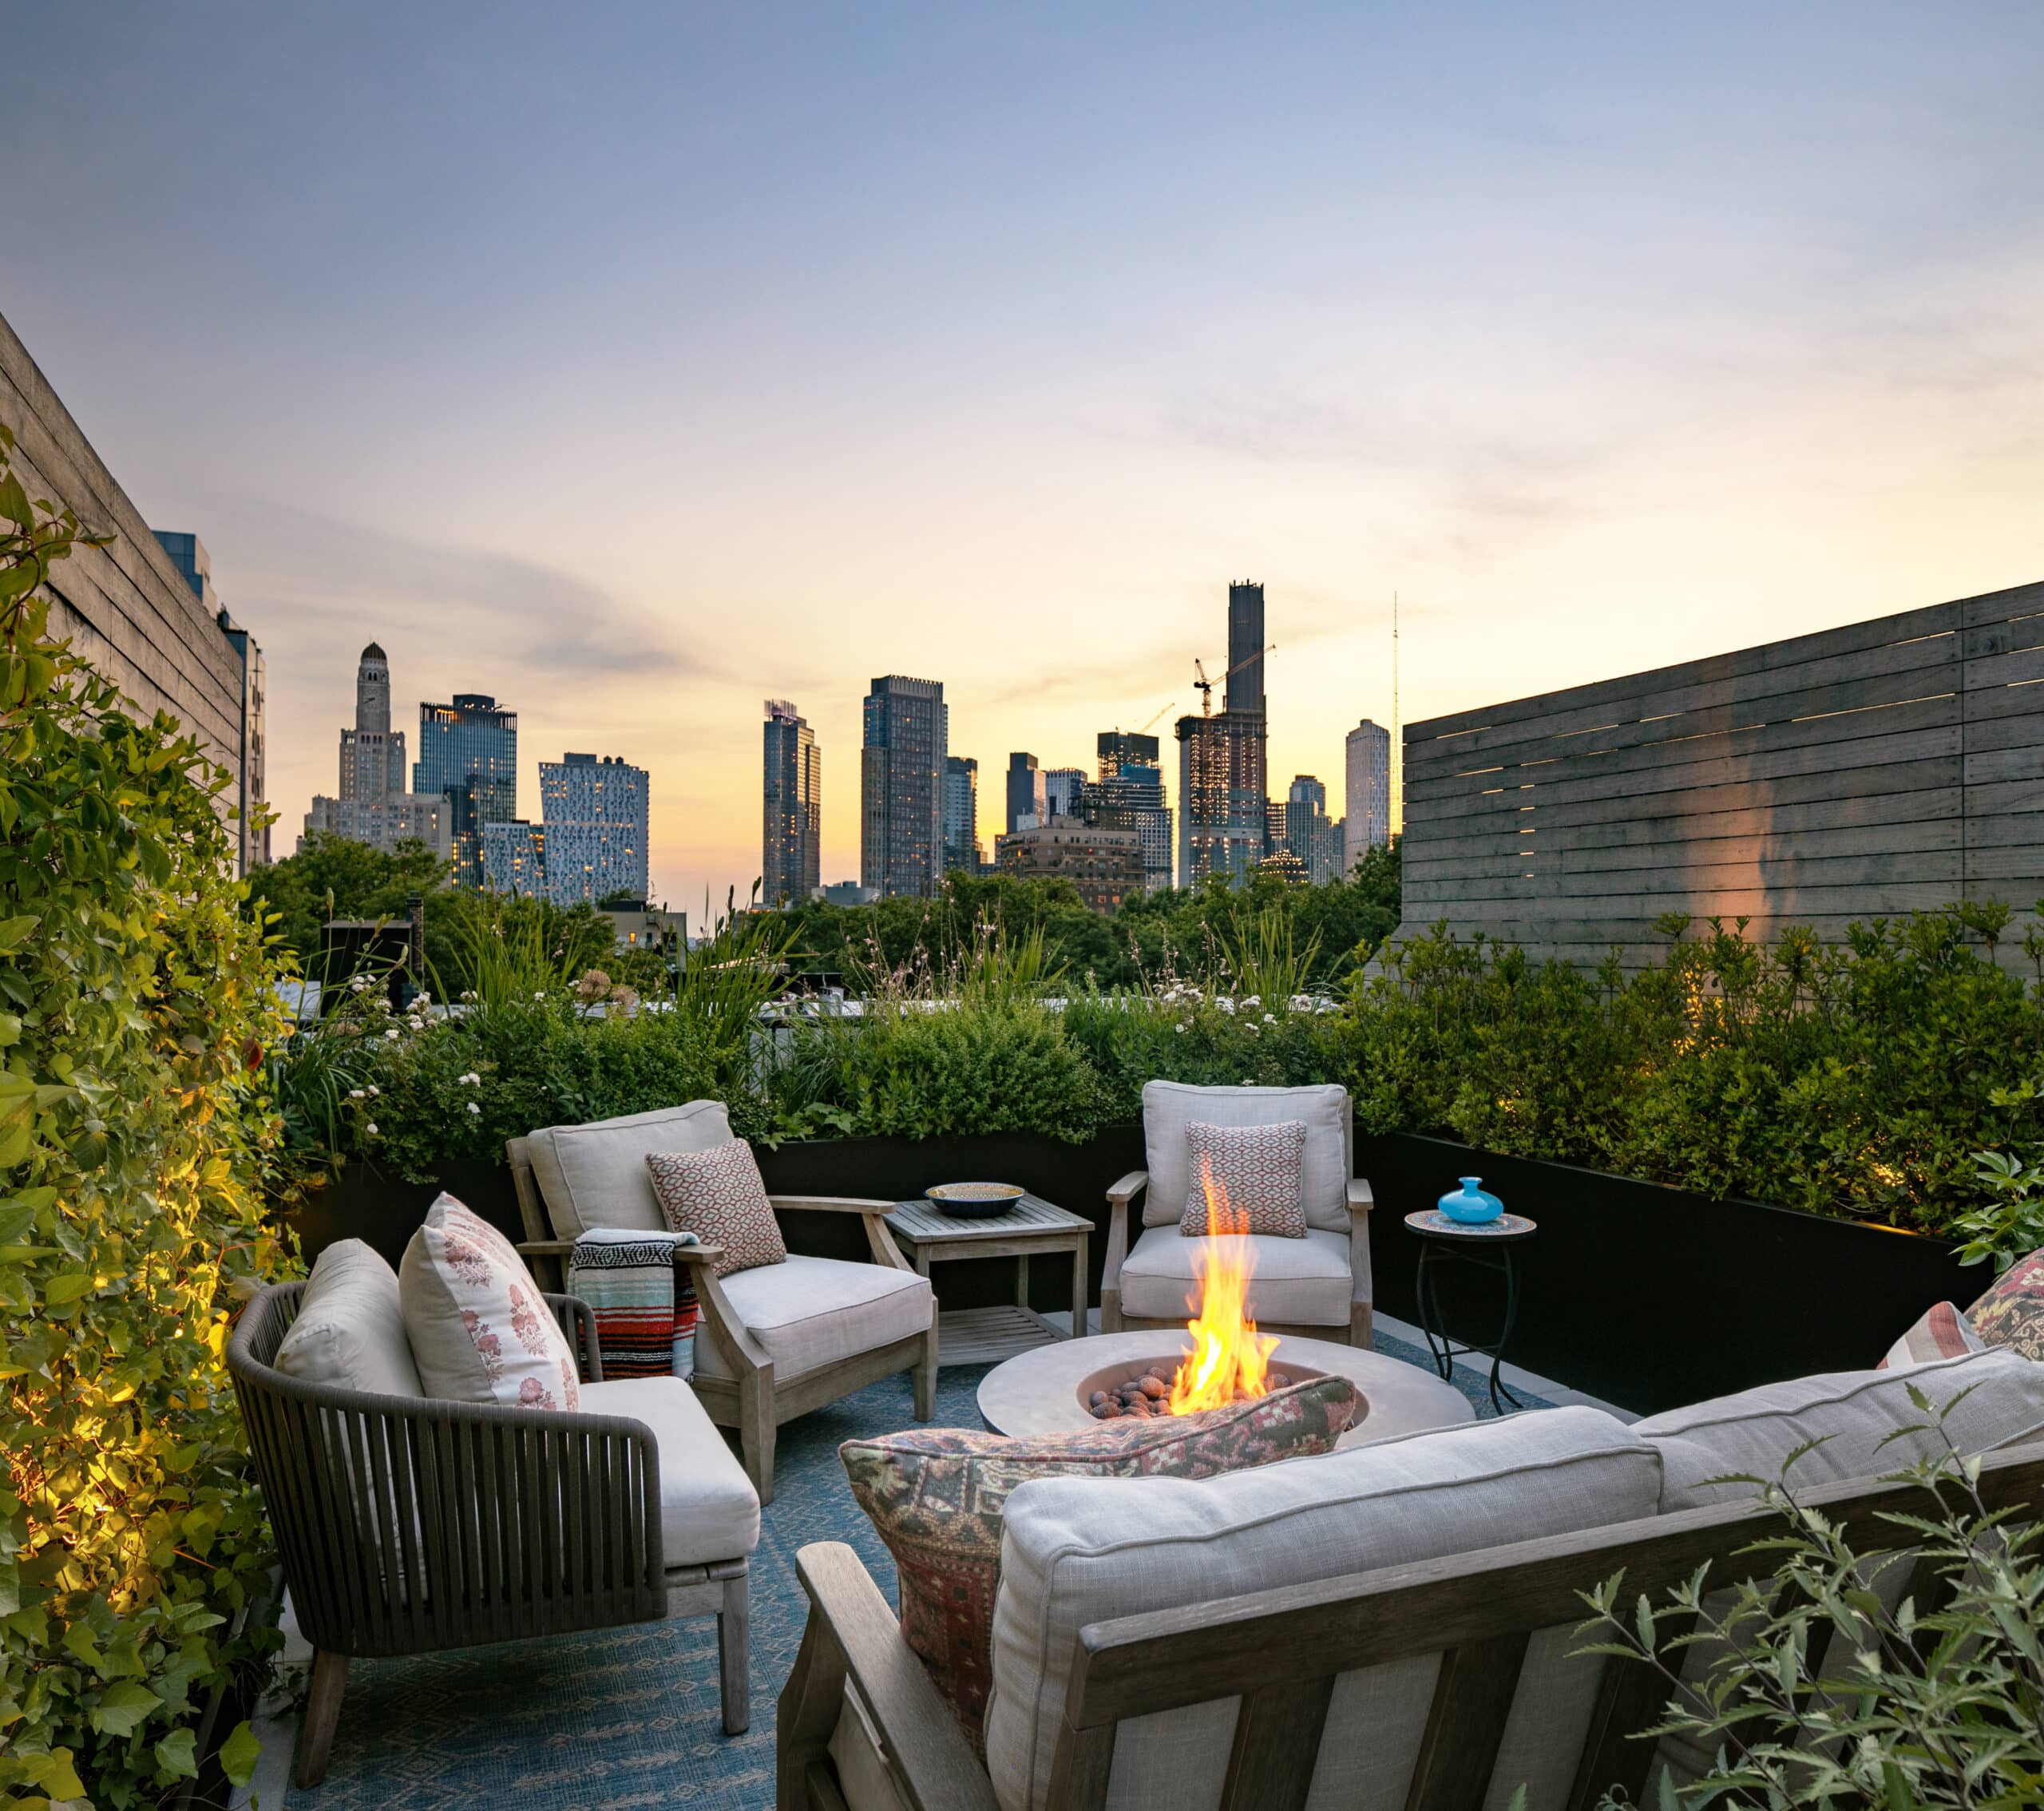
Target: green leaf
x=177 y=1754
x=239 y=1754
x=54 y=1772
x=68 y=1286
x=13 y=930
x=123 y=1708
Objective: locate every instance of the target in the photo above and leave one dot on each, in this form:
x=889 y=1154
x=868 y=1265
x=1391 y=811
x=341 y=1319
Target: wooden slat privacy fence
x=1859 y=773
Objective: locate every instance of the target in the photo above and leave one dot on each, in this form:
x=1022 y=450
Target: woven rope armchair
x=415 y=1525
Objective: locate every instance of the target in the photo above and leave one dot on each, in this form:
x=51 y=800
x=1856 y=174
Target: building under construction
x=1222 y=766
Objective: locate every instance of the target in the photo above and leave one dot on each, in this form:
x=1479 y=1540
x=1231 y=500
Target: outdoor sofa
x=1386 y=1627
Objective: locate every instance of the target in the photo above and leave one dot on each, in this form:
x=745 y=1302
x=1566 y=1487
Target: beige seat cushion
x=596 y=1175
x=709 y=1510
x=813 y=1311
x=1853 y=1412
x=1077 y=1551
x=1169 y=1107
x=349 y=1333
x=1300 y=1282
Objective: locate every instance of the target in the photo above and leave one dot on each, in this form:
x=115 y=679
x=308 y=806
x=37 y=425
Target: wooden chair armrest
x=1360 y=1200
x=1129 y=1186
x=544 y=1247
x=721 y=1321
x=696 y=1256
x=925 y=1750
x=829 y=1204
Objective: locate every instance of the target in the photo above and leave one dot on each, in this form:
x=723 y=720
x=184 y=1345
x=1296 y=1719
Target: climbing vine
x=135 y=1009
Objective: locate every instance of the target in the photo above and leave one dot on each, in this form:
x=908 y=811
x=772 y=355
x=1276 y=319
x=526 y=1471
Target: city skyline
x=1632 y=338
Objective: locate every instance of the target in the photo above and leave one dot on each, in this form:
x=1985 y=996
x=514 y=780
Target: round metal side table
x=1492 y=1246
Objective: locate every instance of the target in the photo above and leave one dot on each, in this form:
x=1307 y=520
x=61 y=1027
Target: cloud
x=314 y=569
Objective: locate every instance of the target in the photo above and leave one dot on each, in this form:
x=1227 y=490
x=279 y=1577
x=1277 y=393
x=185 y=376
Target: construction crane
x=1206 y=685
x=1167 y=711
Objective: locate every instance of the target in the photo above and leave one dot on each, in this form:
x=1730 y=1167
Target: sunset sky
x=637 y=363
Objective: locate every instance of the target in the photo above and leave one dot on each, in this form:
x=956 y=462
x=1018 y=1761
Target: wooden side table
x=1030 y=1227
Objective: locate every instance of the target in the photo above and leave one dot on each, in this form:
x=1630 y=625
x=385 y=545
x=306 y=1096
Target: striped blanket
x=628 y=1278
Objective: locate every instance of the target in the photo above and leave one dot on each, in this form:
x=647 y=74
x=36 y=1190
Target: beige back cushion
x=1169 y=1107
x=1852 y=1412
x=1075 y=1551
x=596 y=1175
x=349 y=1333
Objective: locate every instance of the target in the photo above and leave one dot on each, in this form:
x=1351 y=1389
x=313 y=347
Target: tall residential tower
x=468 y=750
x=901 y=786
x=1222 y=781
x=1370 y=792
x=961 y=815
x=792 y=822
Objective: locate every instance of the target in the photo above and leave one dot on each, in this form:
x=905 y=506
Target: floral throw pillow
x=936 y=1496
x=717 y=1194
x=2011 y=1314
x=1249 y=1175
x=479 y=1329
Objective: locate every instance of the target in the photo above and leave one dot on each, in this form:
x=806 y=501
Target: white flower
x=471 y=1080
x=1251 y=1029
x=473 y=1108
x=416 y=1024
x=539 y=993
x=371 y=1128
x=468 y=993
x=1226 y=1004
x=392 y=1033
x=373 y=1091
x=355 y=1094
x=1270 y=1018
x=423 y=999
x=1177 y=1027
x=1253 y=1000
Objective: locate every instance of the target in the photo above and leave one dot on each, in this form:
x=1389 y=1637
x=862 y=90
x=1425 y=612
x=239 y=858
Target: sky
x=637 y=363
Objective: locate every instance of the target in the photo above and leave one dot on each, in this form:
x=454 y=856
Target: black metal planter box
x=1648 y=1296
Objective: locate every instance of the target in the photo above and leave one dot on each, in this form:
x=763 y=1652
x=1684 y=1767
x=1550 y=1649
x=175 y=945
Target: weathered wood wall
x=125 y=607
x=1856 y=774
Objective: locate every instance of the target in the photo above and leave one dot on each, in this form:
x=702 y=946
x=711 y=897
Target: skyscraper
x=1061 y=789
x=961 y=815
x=792 y=834
x=1025 y=792
x=596 y=816
x=373 y=806
x=901 y=786
x=1370 y=792
x=1222 y=783
x=514 y=859
x=188 y=553
x=1309 y=832
x=1130 y=795
x=468 y=750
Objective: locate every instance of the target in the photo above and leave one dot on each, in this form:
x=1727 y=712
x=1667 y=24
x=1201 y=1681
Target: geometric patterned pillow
x=480 y=1331
x=1941 y=1331
x=1250 y=1176
x=936 y=1496
x=2011 y=1313
x=717 y=1194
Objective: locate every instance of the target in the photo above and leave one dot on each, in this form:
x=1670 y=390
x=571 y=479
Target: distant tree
x=621 y=899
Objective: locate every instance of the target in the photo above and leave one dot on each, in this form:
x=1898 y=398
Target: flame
x=1230 y=1359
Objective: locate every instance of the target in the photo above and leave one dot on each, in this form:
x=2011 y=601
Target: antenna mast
x=1397 y=750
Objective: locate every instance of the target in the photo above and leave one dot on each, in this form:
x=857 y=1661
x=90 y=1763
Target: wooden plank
x=1926 y=670
x=1852 y=639
x=1586 y=851
x=1832 y=742
x=2020 y=862
x=1990 y=765
x=1465 y=1723
x=1685 y=794
x=1277 y=1743
x=1679 y=874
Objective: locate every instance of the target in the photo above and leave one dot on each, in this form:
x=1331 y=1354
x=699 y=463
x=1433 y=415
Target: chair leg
x=925 y=1375
x=734 y=1654
x=755 y=1435
x=1359 y=1324
x=323 y=1711
x=1111 y=1311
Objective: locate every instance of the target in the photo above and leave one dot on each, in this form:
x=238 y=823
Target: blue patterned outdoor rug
x=625 y=1718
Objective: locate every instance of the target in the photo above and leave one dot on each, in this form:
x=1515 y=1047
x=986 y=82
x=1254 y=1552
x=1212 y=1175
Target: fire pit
x=1119 y=1390
x=1221 y=1358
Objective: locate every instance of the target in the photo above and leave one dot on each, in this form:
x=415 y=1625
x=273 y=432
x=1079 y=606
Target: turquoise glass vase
x=1470 y=1204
